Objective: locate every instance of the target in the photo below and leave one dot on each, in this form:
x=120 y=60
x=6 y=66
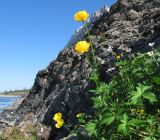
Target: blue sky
x=32 y=32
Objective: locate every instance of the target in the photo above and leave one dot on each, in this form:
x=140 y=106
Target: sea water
x=6 y=101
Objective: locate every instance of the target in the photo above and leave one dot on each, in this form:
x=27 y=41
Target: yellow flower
x=81 y=16
x=82 y=47
x=140 y=111
x=57 y=116
x=118 y=57
x=79 y=115
x=59 y=123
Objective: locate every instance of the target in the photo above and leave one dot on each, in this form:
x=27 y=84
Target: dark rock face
x=63 y=86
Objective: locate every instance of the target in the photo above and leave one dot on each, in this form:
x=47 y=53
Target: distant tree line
x=16 y=91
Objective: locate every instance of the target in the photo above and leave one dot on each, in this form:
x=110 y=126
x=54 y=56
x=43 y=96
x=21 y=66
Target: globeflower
x=119 y=56
x=140 y=111
x=81 y=16
x=59 y=123
x=57 y=116
x=82 y=47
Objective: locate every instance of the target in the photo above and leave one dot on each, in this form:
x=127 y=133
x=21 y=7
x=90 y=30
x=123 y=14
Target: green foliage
x=127 y=107
x=91 y=128
x=142 y=92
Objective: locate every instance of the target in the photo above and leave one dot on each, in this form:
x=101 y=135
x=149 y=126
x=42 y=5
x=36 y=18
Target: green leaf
x=91 y=128
x=108 y=120
x=93 y=91
x=158 y=60
x=156 y=79
x=121 y=63
x=103 y=138
x=102 y=88
x=97 y=102
x=134 y=122
x=125 y=118
x=135 y=96
x=151 y=97
x=150 y=120
x=147 y=138
x=94 y=76
x=122 y=128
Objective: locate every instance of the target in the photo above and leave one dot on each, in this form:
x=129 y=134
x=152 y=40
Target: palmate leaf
x=125 y=118
x=102 y=88
x=151 y=97
x=156 y=79
x=122 y=128
x=94 y=76
x=126 y=124
x=135 y=96
x=97 y=102
x=134 y=122
x=147 y=138
x=108 y=120
x=93 y=91
x=91 y=128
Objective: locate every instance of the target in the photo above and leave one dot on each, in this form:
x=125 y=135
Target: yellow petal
x=82 y=47
x=81 y=16
x=59 y=123
x=118 y=57
x=57 y=116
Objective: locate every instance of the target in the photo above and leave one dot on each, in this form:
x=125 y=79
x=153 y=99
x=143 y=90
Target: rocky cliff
x=63 y=86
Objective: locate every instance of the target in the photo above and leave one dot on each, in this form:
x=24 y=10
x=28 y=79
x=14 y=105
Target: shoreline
x=4 y=95
x=8 y=115
x=15 y=104
x=20 y=96
x=19 y=93
x=17 y=101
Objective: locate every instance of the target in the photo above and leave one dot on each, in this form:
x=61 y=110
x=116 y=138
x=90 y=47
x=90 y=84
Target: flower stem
x=95 y=64
x=91 y=43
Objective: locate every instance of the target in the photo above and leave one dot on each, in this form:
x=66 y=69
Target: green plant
x=127 y=107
